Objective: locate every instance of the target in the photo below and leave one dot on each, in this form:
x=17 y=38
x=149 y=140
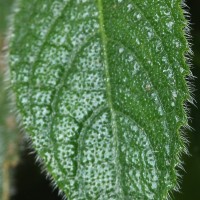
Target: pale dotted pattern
x=78 y=105
x=47 y=75
x=61 y=93
x=60 y=61
x=97 y=175
x=66 y=135
x=138 y=155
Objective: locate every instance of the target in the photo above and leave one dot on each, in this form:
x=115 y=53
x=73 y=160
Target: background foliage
x=9 y=137
x=27 y=184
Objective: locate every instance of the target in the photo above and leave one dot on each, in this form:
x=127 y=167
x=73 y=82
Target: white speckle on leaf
x=174 y=94
x=138 y=16
x=130 y=58
x=121 y=50
x=160 y=110
x=129 y=7
x=170 y=24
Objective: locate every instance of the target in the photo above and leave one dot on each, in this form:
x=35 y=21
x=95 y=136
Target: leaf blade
x=90 y=91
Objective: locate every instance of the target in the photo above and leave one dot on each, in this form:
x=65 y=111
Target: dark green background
x=30 y=184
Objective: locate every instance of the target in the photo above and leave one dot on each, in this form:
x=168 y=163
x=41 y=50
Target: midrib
x=118 y=166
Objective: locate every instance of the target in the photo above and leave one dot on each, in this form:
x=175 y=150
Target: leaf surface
x=100 y=87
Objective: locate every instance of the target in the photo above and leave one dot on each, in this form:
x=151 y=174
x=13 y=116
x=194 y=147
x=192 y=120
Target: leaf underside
x=100 y=87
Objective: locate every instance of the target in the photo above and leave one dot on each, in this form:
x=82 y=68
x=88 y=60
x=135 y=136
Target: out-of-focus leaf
x=9 y=140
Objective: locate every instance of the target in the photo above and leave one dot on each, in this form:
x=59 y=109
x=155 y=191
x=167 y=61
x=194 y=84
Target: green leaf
x=100 y=87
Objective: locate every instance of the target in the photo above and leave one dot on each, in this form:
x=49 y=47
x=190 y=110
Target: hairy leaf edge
x=187 y=55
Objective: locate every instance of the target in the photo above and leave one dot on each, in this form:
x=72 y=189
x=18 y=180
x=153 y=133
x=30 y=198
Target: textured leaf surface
x=100 y=87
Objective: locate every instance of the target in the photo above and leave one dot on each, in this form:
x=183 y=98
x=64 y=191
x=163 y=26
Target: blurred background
x=22 y=177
